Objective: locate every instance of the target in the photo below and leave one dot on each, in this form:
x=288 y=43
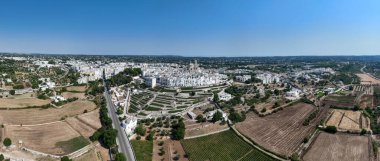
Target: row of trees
x=106 y=134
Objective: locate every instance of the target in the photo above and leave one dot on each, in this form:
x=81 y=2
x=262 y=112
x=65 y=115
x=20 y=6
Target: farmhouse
x=47 y=85
x=57 y=98
x=192 y=115
x=329 y=90
x=23 y=91
x=293 y=94
x=224 y=96
x=129 y=125
x=210 y=114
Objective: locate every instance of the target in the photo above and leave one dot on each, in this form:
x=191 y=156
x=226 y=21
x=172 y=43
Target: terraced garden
x=150 y=101
x=224 y=146
x=139 y=101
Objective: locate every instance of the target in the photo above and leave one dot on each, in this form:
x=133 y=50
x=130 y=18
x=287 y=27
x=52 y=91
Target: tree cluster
x=178 y=130
x=124 y=77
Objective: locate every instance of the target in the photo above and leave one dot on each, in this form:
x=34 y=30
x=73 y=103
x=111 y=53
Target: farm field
x=366 y=79
x=281 y=132
x=73 y=94
x=172 y=148
x=156 y=150
x=76 y=88
x=348 y=120
x=339 y=101
x=366 y=101
x=22 y=102
x=38 y=115
x=89 y=156
x=56 y=138
x=143 y=149
x=80 y=126
x=337 y=147
x=202 y=128
x=91 y=119
x=224 y=146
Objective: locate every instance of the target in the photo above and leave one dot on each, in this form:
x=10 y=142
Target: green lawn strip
x=73 y=144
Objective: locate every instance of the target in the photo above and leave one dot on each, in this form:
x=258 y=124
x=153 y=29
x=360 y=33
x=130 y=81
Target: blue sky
x=191 y=27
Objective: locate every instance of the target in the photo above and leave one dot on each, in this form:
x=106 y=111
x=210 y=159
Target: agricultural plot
x=281 y=132
x=339 y=101
x=352 y=121
x=89 y=156
x=224 y=146
x=38 y=116
x=367 y=79
x=337 y=147
x=76 y=88
x=376 y=95
x=143 y=149
x=56 y=138
x=366 y=89
x=73 y=95
x=202 y=128
x=91 y=119
x=22 y=102
x=366 y=101
x=84 y=129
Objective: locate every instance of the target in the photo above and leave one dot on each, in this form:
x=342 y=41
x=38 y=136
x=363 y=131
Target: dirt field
x=366 y=79
x=202 y=128
x=91 y=119
x=89 y=156
x=348 y=120
x=281 y=132
x=156 y=150
x=339 y=101
x=172 y=148
x=103 y=152
x=81 y=127
x=73 y=94
x=366 y=101
x=337 y=147
x=22 y=102
x=43 y=138
x=76 y=88
x=38 y=116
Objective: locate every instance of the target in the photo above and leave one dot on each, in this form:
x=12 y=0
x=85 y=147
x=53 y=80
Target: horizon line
x=178 y=55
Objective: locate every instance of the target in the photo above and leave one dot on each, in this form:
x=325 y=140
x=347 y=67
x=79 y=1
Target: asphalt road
x=122 y=139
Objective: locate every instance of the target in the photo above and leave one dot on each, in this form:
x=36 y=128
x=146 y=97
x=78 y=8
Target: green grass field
x=143 y=150
x=224 y=146
x=74 y=144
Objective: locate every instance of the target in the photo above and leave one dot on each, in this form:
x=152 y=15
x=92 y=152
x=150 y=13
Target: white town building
x=129 y=125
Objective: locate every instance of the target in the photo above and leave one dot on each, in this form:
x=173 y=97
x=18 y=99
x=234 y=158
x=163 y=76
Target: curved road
x=122 y=139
